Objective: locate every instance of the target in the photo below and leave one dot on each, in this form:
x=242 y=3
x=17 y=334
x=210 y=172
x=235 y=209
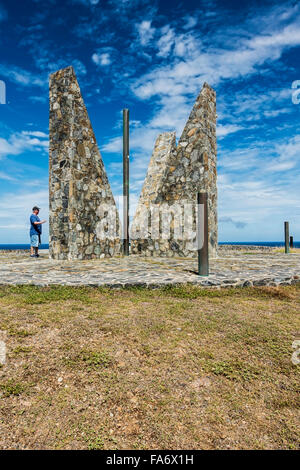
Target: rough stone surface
x=229 y=270
x=84 y=221
x=175 y=175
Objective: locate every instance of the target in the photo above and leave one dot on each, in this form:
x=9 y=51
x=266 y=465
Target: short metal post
x=202 y=234
x=126 y=182
x=291 y=242
x=286 y=237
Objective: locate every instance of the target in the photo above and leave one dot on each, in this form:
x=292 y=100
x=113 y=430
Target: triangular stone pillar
x=165 y=220
x=84 y=221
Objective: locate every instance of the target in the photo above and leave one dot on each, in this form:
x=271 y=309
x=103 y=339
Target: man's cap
x=36 y=208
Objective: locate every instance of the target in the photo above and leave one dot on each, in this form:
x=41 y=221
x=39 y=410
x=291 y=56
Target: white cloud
x=251 y=108
x=113 y=146
x=291 y=148
x=261 y=204
x=224 y=130
x=262 y=158
x=22 y=77
x=166 y=41
x=189 y=22
x=141 y=140
x=214 y=64
x=256 y=101
x=145 y=31
x=103 y=56
x=5 y=176
x=35 y=134
x=260 y=186
x=39 y=99
x=20 y=142
x=17 y=207
x=276 y=112
x=186 y=46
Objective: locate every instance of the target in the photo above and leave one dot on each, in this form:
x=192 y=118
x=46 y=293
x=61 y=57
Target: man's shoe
x=37 y=256
x=32 y=256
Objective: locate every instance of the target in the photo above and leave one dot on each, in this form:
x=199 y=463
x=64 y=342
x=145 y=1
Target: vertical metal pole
x=291 y=242
x=202 y=234
x=126 y=182
x=286 y=237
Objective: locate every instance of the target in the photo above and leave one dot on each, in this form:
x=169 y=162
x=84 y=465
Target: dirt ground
x=179 y=368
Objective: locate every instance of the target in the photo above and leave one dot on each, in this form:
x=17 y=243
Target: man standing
x=35 y=232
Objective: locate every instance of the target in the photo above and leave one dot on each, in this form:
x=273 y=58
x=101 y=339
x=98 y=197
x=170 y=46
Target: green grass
x=22 y=350
x=19 y=332
x=96 y=358
x=35 y=295
x=11 y=388
x=233 y=370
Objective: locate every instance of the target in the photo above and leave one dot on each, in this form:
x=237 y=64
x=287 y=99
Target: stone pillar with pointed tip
x=83 y=218
x=175 y=175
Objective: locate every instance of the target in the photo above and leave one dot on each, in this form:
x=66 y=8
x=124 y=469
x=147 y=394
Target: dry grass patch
x=282 y=250
x=149 y=369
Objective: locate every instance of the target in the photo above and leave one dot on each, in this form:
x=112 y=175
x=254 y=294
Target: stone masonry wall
x=174 y=177
x=84 y=221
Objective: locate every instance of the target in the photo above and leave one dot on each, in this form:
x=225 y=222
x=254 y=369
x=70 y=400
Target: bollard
x=202 y=234
x=126 y=182
x=286 y=237
x=291 y=242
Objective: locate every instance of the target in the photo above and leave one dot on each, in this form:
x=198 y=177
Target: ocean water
x=19 y=246
x=45 y=246
x=296 y=244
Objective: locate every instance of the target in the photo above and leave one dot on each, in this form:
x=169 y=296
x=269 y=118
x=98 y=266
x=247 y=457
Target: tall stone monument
x=166 y=216
x=84 y=221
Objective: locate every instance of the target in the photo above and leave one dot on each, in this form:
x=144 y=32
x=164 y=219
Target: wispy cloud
x=145 y=31
x=226 y=129
x=21 y=76
x=104 y=56
x=5 y=176
x=189 y=22
x=17 y=207
x=214 y=64
x=259 y=186
x=20 y=142
x=166 y=41
x=254 y=104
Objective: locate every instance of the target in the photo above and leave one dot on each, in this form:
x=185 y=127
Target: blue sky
x=153 y=57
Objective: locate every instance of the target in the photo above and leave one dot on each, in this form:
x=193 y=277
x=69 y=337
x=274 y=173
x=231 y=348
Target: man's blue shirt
x=35 y=229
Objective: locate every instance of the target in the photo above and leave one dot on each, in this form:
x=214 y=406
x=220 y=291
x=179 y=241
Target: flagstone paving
x=231 y=269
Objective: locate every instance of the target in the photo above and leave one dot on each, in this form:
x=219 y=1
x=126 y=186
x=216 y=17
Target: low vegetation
x=174 y=368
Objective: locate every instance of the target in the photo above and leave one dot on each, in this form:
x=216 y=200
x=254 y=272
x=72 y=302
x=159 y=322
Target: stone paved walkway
x=230 y=269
